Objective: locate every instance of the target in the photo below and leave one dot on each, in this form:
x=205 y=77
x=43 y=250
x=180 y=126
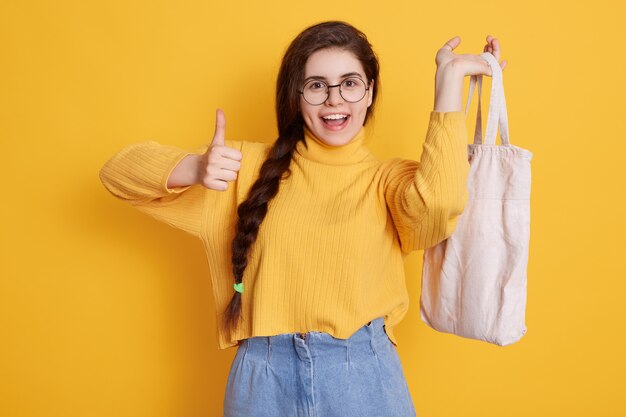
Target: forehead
x=331 y=63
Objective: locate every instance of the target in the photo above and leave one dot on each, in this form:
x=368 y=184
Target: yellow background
x=106 y=312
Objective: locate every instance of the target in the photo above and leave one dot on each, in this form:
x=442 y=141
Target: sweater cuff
x=451 y=116
x=168 y=167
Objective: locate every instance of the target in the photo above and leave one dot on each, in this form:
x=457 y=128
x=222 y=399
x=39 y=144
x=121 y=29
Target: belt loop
x=371 y=331
x=348 y=353
x=244 y=345
x=269 y=352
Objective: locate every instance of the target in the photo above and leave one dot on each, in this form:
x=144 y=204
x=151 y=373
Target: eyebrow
x=324 y=78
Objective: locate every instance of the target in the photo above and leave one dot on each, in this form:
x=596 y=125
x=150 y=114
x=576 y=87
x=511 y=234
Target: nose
x=334 y=97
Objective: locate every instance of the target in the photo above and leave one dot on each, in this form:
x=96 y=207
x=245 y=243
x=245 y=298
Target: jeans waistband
x=369 y=337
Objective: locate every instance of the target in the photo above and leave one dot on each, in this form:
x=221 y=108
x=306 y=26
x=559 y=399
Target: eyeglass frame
x=328 y=87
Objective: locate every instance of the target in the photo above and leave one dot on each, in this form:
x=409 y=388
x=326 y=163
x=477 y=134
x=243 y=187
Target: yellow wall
x=106 y=312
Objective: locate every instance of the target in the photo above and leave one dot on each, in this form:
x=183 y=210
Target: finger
x=495 y=48
x=225 y=170
x=216 y=184
x=452 y=43
x=231 y=153
x=479 y=66
x=220 y=128
x=227 y=175
x=230 y=165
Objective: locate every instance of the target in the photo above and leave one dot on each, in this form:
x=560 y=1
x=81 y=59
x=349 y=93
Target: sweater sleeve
x=138 y=174
x=426 y=198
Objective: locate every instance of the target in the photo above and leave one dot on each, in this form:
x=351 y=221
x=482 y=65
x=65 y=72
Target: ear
x=370 y=94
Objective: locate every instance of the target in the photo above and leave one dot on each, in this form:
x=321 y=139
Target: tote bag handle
x=497 y=116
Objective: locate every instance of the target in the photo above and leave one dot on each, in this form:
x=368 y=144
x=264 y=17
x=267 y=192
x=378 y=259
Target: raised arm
x=426 y=198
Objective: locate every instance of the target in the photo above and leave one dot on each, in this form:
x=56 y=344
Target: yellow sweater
x=329 y=254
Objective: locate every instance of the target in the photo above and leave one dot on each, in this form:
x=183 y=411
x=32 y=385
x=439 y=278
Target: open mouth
x=336 y=121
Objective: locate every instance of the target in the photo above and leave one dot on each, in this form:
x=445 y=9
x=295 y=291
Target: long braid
x=252 y=212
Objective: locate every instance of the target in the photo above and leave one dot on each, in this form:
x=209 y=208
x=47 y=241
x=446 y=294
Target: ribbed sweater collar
x=318 y=151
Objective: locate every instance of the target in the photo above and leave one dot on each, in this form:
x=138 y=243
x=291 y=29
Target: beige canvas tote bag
x=474 y=282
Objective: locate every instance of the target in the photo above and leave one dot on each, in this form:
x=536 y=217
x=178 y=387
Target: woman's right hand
x=219 y=164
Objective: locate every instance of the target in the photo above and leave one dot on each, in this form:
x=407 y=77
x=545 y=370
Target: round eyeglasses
x=315 y=92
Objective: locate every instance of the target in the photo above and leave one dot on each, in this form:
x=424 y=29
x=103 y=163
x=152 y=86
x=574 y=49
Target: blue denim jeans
x=317 y=375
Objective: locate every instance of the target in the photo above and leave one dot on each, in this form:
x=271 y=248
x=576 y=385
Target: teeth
x=335 y=116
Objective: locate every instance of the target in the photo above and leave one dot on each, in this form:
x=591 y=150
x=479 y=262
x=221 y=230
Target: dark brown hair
x=251 y=212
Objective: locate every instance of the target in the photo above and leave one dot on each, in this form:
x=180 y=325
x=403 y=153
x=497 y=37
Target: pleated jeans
x=317 y=375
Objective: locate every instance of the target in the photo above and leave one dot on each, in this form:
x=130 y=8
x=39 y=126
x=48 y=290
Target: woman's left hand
x=467 y=64
x=452 y=69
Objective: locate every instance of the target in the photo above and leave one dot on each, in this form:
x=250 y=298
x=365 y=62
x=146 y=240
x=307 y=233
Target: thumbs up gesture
x=219 y=164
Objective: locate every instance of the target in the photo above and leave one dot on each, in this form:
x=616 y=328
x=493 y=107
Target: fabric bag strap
x=497 y=116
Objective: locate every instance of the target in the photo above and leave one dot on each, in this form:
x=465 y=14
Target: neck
x=315 y=149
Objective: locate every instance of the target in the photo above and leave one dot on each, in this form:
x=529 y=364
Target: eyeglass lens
x=351 y=89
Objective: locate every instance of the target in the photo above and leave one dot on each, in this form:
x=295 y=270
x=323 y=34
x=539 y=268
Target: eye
x=352 y=83
x=315 y=85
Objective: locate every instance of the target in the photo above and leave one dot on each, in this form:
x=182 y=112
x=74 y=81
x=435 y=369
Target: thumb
x=220 y=128
x=453 y=42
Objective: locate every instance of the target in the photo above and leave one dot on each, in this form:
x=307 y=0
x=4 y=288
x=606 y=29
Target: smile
x=335 y=121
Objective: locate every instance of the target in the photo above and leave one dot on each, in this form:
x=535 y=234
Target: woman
x=315 y=227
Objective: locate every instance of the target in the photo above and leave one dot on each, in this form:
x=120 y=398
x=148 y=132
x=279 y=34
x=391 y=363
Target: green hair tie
x=238 y=287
